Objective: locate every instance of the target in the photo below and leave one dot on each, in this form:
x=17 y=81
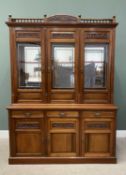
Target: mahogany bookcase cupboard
x=62 y=71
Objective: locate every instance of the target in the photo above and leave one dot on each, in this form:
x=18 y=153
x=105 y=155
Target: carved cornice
x=61 y=20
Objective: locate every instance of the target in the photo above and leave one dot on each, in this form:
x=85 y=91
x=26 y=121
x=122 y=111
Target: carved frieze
x=96 y=35
x=27 y=125
x=63 y=125
x=27 y=35
x=62 y=35
x=97 y=125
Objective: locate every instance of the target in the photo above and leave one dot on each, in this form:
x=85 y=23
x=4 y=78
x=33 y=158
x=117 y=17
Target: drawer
x=27 y=114
x=62 y=113
x=28 y=124
x=98 y=114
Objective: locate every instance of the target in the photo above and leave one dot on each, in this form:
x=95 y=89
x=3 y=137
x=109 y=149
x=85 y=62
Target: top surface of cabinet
x=62 y=59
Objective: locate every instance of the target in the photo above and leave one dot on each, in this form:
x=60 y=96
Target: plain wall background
x=87 y=8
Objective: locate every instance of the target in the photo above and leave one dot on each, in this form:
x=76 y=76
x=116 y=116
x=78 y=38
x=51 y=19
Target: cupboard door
x=27 y=135
x=98 y=137
x=63 y=137
x=96 y=67
x=62 y=65
x=30 y=53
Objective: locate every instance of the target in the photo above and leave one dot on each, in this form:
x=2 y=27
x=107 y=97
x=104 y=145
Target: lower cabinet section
x=62 y=136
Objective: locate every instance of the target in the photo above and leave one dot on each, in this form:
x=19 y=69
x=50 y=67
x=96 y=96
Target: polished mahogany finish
x=62 y=70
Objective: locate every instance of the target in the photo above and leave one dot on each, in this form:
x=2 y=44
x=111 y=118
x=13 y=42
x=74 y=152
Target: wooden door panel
x=29 y=144
x=63 y=143
x=97 y=143
x=64 y=96
x=29 y=96
x=95 y=96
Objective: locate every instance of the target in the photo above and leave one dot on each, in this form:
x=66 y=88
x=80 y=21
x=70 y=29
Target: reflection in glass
x=29 y=65
x=63 y=66
x=95 y=66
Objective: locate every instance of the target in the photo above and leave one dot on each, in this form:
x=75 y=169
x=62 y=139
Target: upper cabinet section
x=62 y=59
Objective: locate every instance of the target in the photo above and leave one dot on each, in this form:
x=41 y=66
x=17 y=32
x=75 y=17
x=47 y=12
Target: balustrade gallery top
x=61 y=20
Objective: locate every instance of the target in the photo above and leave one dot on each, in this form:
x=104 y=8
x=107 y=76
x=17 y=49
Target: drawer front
x=27 y=114
x=98 y=114
x=62 y=113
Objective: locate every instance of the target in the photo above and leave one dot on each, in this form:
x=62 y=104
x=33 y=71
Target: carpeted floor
x=70 y=169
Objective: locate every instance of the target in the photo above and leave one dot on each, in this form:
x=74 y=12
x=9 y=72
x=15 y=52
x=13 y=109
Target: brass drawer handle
x=28 y=114
x=97 y=114
x=62 y=114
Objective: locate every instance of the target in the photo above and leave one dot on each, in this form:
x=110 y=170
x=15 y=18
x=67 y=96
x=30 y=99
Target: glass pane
x=63 y=66
x=29 y=65
x=95 y=65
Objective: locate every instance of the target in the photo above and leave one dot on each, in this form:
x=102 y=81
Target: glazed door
x=30 y=67
x=96 y=66
x=62 y=65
